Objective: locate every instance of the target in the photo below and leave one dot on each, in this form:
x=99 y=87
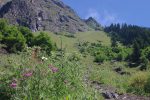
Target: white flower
x=44 y=58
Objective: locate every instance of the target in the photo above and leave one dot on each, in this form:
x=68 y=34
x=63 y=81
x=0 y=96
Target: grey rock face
x=91 y=22
x=51 y=15
x=109 y=95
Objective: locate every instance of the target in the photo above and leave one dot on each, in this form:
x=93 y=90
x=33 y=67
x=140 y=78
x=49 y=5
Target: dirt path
x=108 y=92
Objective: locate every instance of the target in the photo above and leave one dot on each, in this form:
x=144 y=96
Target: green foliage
x=100 y=58
x=147 y=85
x=3 y=25
x=13 y=39
x=44 y=41
x=1 y=37
x=122 y=53
x=136 y=52
x=138 y=83
x=75 y=56
x=105 y=53
x=146 y=53
x=43 y=83
x=27 y=35
x=104 y=74
x=127 y=34
x=16 y=38
x=132 y=35
x=145 y=58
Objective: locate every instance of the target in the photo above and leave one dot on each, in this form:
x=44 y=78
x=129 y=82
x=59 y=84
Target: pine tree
x=136 y=52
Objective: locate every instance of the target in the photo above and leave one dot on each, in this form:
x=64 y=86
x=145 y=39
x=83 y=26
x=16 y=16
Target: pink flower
x=13 y=85
x=27 y=74
x=53 y=69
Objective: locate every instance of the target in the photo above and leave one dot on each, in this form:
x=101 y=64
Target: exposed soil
x=110 y=93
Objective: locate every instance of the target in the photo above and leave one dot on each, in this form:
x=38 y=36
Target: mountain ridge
x=91 y=22
x=49 y=15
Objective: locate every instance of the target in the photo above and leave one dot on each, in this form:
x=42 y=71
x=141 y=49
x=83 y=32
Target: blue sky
x=113 y=11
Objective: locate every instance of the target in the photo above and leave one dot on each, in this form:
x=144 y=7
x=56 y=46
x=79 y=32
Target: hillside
x=80 y=65
x=50 y=15
x=47 y=52
x=70 y=43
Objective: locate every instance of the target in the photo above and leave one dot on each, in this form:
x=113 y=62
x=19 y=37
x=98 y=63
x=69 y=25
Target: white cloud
x=93 y=13
x=104 y=17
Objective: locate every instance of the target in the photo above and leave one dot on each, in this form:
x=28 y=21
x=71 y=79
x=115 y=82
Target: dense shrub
x=27 y=35
x=128 y=34
x=3 y=25
x=138 y=84
x=75 y=56
x=100 y=58
x=104 y=53
x=146 y=53
x=122 y=53
x=144 y=58
x=16 y=38
x=13 y=39
x=44 y=41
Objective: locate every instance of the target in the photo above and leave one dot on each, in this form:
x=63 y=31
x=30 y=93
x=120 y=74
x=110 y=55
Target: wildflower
x=53 y=69
x=13 y=84
x=27 y=74
x=44 y=58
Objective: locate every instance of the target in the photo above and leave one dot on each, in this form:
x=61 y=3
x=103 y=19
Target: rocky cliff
x=50 y=15
x=91 y=22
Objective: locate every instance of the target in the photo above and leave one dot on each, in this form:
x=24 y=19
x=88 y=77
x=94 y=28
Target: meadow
x=66 y=74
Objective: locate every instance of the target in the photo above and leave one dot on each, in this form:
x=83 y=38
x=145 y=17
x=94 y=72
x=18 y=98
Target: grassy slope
x=101 y=73
x=69 y=43
x=20 y=60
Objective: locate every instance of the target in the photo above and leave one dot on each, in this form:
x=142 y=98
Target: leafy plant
x=44 y=41
x=13 y=39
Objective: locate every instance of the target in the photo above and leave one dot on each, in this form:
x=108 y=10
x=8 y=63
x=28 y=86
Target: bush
x=13 y=39
x=44 y=41
x=100 y=58
x=75 y=57
x=138 y=82
x=3 y=25
x=27 y=35
x=17 y=37
x=145 y=57
x=109 y=53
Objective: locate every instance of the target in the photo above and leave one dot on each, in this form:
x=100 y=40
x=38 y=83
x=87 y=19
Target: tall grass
x=29 y=76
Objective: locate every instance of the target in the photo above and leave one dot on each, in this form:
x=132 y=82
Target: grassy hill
x=82 y=77
x=70 y=42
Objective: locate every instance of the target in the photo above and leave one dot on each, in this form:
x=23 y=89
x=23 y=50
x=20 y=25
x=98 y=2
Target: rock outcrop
x=91 y=22
x=50 y=15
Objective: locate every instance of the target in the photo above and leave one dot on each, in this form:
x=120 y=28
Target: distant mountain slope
x=2 y=2
x=51 y=15
x=91 y=22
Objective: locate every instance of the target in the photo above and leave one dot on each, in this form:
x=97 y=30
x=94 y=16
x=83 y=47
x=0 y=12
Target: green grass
x=43 y=84
x=70 y=43
x=52 y=85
